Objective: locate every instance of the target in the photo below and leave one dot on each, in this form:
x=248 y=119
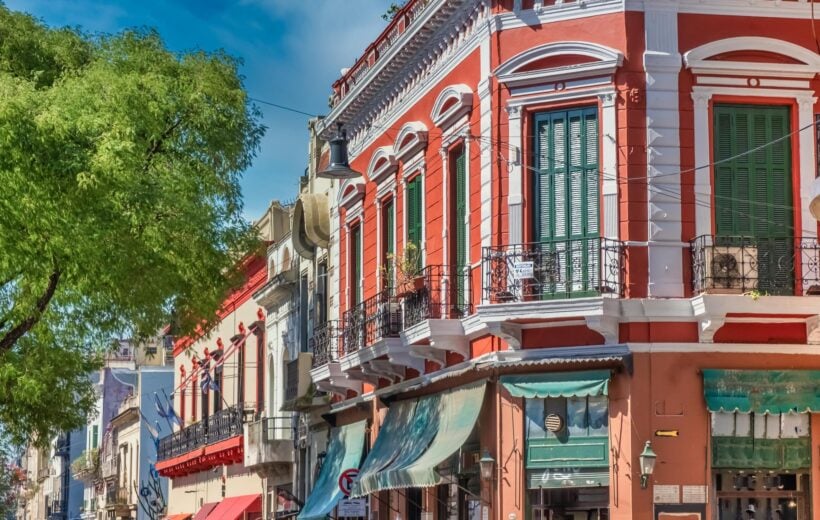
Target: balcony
x=758 y=266
x=86 y=467
x=326 y=371
x=269 y=445
x=221 y=435
x=118 y=500
x=109 y=467
x=375 y=318
x=562 y=269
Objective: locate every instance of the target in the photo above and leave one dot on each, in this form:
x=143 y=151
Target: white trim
x=414 y=134
x=555 y=13
x=461 y=106
x=697 y=58
x=721 y=348
x=383 y=162
x=747 y=8
x=351 y=193
x=805 y=99
x=509 y=72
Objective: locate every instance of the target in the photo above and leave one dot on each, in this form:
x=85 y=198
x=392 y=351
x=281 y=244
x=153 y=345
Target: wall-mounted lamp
x=487 y=465
x=339 y=167
x=647 y=460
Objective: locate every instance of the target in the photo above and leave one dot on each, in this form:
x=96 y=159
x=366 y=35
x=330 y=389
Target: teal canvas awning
x=558 y=384
x=439 y=426
x=343 y=452
x=762 y=391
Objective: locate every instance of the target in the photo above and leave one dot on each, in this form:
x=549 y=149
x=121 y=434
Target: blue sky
x=292 y=51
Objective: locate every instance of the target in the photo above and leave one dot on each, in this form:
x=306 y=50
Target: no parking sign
x=346 y=480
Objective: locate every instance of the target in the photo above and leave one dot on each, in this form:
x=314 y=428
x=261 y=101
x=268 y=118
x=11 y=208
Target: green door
x=460 y=227
x=753 y=192
x=567 y=260
x=356 y=265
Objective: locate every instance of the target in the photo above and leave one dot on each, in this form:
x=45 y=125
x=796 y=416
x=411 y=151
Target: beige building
x=220 y=388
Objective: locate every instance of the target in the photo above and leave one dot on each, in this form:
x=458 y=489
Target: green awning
x=762 y=391
x=558 y=478
x=439 y=426
x=558 y=384
x=343 y=452
x=389 y=443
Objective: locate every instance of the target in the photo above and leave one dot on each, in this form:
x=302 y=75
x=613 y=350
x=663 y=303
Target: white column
x=515 y=195
x=445 y=181
x=609 y=165
x=663 y=62
x=808 y=162
x=485 y=143
x=703 y=173
x=379 y=260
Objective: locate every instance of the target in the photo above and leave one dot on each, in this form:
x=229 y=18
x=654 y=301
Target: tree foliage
x=119 y=204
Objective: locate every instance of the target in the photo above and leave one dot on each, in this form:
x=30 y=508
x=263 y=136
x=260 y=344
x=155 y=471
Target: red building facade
x=608 y=206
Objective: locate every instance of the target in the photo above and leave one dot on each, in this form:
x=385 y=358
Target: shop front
x=566 y=429
x=760 y=439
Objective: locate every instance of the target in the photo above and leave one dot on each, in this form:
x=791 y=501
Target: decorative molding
x=708 y=327
x=351 y=192
x=509 y=332
x=383 y=163
x=451 y=104
x=510 y=74
x=697 y=59
x=412 y=138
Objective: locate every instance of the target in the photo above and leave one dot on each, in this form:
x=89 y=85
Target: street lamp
x=647 y=461
x=487 y=465
x=339 y=168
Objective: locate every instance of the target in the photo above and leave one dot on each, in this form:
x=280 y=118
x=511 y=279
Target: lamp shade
x=339 y=168
x=647 y=459
x=487 y=465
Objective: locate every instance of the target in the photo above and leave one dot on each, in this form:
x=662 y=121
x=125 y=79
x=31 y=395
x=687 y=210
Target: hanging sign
x=523 y=270
x=346 y=480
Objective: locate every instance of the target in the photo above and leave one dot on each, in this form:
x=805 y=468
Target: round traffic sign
x=346 y=480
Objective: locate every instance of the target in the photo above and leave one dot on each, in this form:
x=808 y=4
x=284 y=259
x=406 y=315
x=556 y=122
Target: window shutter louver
x=460 y=226
x=753 y=195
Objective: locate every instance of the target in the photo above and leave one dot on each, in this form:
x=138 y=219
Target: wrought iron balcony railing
x=768 y=266
x=443 y=293
x=553 y=270
x=221 y=425
x=375 y=318
x=325 y=343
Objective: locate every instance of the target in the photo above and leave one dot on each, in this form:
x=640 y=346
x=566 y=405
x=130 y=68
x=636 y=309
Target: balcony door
x=753 y=193
x=566 y=210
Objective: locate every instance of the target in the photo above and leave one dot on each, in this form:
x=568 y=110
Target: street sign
x=352 y=507
x=523 y=270
x=347 y=479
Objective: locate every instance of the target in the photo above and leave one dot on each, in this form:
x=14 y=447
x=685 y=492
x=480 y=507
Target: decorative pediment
x=382 y=165
x=751 y=54
x=412 y=138
x=558 y=61
x=351 y=193
x=454 y=102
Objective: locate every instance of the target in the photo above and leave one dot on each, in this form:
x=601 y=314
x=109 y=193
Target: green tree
x=120 y=204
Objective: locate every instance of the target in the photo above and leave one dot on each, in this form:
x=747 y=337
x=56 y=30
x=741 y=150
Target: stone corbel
x=385 y=369
x=509 y=332
x=427 y=352
x=707 y=328
x=405 y=359
x=606 y=326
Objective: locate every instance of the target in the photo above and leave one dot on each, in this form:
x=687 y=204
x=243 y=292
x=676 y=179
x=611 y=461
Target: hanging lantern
x=339 y=168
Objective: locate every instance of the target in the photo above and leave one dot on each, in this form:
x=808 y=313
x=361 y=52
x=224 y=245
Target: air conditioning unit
x=730 y=270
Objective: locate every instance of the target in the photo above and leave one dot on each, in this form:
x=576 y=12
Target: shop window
x=579 y=417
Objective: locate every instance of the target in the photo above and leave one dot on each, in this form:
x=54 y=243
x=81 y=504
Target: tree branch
x=156 y=145
x=10 y=338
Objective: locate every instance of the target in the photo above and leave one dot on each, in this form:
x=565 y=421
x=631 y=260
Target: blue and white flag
x=159 y=406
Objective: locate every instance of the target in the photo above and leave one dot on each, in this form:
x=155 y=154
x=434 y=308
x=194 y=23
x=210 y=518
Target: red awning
x=179 y=516
x=205 y=510
x=234 y=508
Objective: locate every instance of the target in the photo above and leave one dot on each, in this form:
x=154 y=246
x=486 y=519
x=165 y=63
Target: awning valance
x=558 y=384
x=343 y=452
x=557 y=478
x=423 y=434
x=762 y=391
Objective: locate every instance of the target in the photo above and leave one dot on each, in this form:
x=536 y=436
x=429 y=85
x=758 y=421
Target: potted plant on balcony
x=404 y=271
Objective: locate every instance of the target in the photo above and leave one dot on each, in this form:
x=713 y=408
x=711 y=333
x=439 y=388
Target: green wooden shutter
x=459 y=226
x=753 y=189
x=414 y=201
x=356 y=264
x=567 y=193
x=388 y=221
